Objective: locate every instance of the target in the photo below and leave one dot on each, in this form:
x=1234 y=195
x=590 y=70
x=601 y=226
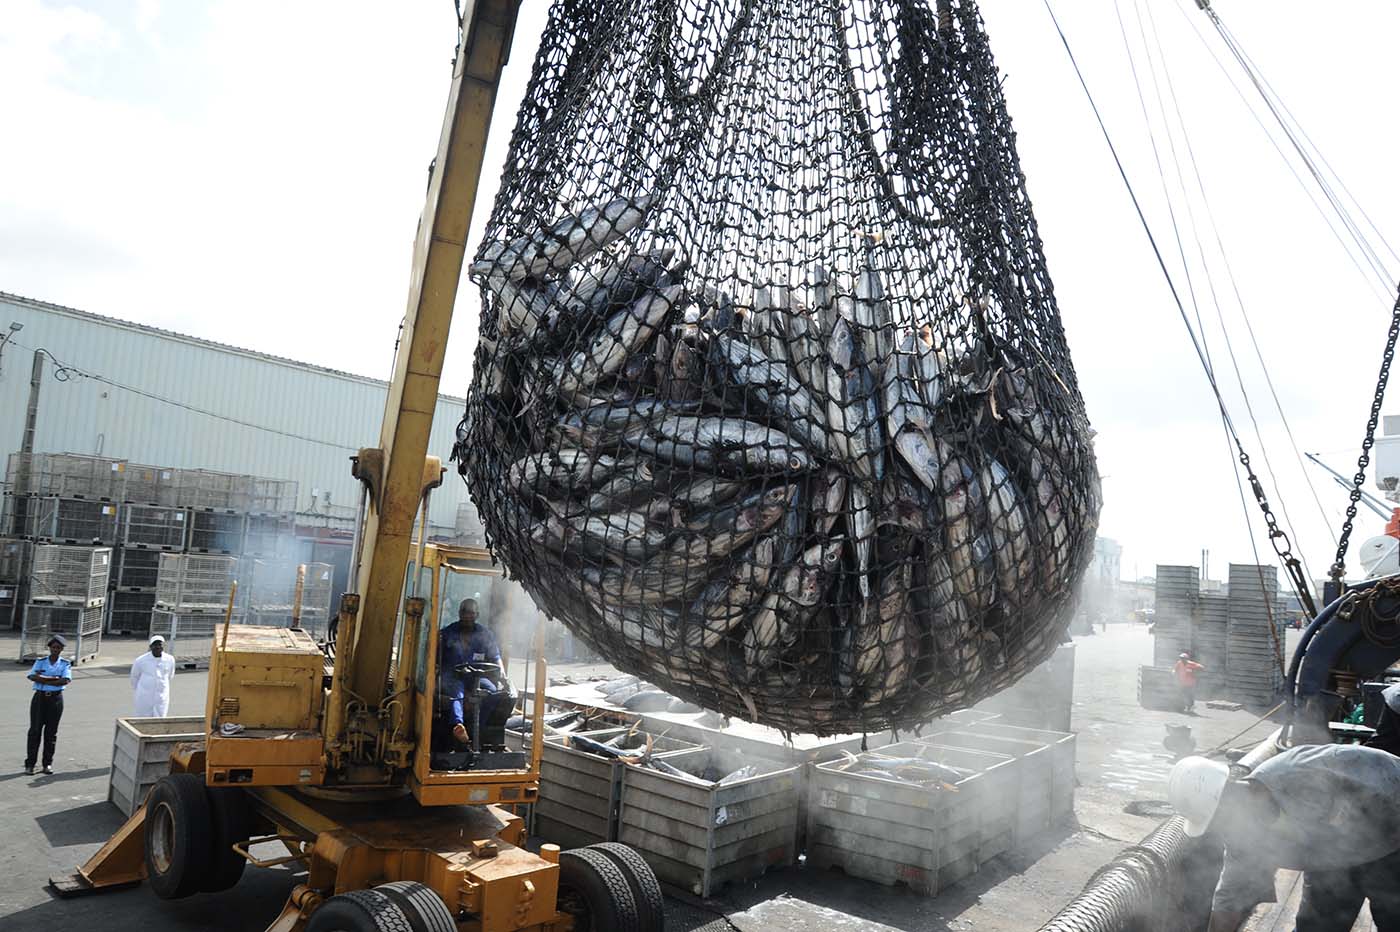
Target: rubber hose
x=1127 y=894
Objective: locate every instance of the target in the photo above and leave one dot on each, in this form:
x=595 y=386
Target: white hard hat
x=157 y=639
x=1194 y=790
x=1391 y=695
x=1184 y=656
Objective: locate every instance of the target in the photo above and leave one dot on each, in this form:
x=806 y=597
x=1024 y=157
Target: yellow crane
x=340 y=760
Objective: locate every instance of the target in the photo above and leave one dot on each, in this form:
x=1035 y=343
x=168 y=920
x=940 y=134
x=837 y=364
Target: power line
x=66 y=373
x=1291 y=565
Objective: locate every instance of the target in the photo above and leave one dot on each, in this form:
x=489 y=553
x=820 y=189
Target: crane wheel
x=402 y=906
x=231 y=820
x=179 y=836
x=595 y=892
x=646 y=891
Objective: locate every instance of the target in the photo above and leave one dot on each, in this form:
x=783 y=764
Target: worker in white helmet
x=1331 y=811
x=151 y=676
x=1387 y=736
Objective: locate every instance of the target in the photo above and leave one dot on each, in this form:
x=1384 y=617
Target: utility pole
x=36 y=378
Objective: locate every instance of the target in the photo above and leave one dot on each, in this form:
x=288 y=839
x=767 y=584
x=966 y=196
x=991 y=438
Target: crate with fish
x=1029 y=811
x=581 y=776
x=216 y=531
x=704 y=819
x=909 y=814
x=189 y=637
x=80 y=626
x=195 y=583
x=152 y=527
x=69 y=575
x=130 y=613
x=1062 y=751
x=790 y=431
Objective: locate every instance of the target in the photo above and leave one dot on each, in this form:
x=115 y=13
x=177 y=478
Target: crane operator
x=466 y=642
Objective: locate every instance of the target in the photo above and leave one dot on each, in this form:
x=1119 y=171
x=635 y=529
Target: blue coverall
x=481 y=648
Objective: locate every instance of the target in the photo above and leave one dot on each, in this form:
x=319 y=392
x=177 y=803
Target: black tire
x=402 y=906
x=646 y=890
x=179 y=836
x=231 y=820
x=596 y=893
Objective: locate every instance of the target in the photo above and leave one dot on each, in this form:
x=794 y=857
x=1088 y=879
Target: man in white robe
x=150 y=680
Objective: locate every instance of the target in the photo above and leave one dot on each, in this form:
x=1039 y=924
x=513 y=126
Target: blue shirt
x=44 y=667
x=481 y=648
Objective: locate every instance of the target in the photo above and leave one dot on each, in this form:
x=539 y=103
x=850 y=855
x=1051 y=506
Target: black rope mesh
x=772 y=403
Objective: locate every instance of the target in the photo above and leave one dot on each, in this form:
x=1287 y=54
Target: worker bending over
x=1331 y=811
x=466 y=642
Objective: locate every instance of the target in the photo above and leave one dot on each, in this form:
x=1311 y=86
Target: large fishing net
x=772 y=404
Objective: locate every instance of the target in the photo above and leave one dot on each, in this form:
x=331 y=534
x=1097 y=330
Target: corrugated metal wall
x=323 y=416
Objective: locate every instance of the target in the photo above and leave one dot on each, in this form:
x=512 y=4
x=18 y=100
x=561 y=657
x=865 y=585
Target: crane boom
x=396 y=476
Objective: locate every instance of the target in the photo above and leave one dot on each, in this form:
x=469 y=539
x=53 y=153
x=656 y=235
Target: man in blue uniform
x=50 y=676
x=465 y=641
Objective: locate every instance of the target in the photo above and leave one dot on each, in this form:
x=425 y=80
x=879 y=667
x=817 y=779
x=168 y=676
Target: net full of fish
x=771 y=404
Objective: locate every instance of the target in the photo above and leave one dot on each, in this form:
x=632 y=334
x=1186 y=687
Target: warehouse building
x=129 y=392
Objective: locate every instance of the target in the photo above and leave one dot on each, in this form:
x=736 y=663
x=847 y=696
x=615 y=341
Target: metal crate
x=152 y=527
x=130 y=613
x=189 y=637
x=10 y=602
x=269 y=535
x=205 y=488
x=699 y=833
x=70 y=475
x=579 y=792
x=216 y=531
x=194 y=583
x=141 y=755
x=893 y=832
x=70 y=575
x=15 y=555
x=272 y=496
x=272 y=586
x=137 y=570
x=1063 y=751
x=151 y=485
x=81 y=628
x=1031 y=812
x=65 y=520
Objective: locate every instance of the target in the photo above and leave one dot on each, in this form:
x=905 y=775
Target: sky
x=252 y=172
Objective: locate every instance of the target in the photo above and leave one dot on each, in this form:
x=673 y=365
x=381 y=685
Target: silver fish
x=863 y=534
x=872 y=316
x=962 y=518
x=623 y=332
x=1011 y=545
x=724 y=602
x=566 y=467
x=805 y=582
x=567 y=242
x=763 y=639
x=729 y=441
x=773 y=386
x=829 y=500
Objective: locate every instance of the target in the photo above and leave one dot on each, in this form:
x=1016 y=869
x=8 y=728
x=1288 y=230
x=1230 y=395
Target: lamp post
x=15 y=327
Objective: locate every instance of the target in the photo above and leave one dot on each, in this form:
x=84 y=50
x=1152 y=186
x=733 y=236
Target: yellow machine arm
x=394 y=475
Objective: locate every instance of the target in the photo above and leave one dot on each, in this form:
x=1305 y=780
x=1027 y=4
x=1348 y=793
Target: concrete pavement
x=51 y=824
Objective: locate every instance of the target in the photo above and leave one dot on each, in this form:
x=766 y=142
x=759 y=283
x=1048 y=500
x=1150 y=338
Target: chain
x=1364 y=460
x=1278 y=538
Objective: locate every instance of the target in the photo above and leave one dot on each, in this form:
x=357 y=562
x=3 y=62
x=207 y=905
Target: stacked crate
x=1252 y=652
x=1209 y=637
x=15 y=555
x=1177 y=600
x=191 y=602
x=146 y=531
x=273 y=598
x=67 y=595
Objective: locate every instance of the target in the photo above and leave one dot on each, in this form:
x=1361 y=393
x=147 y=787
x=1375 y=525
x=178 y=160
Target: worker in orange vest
x=1186 y=670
